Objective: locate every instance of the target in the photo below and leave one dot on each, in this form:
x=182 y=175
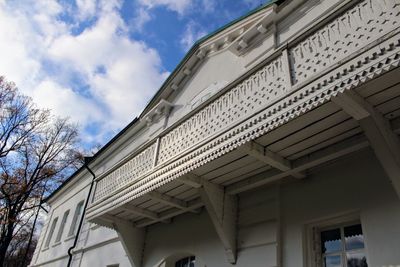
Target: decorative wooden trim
x=262 y=102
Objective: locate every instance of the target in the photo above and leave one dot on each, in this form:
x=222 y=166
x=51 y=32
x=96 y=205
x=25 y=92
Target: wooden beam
x=191 y=180
x=171 y=201
x=222 y=209
x=168 y=214
x=377 y=129
x=132 y=240
x=314 y=159
x=261 y=153
x=144 y=213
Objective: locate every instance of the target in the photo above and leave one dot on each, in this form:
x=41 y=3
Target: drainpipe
x=33 y=228
x=87 y=160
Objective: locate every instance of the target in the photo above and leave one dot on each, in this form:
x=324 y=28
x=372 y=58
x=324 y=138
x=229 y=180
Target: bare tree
x=19 y=117
x=37 y=153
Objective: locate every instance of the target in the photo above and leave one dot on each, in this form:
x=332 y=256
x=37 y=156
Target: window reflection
x=343 y=247
x=354 y=237
x=333 y=261
x=356 y=259
x=186 y=262
x=331 y=241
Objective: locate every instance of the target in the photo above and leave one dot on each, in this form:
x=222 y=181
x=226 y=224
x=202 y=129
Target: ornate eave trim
x=383 y=57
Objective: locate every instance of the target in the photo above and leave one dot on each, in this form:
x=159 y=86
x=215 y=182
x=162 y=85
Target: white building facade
x=273 y=143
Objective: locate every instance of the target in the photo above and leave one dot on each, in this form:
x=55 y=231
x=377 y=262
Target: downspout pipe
x=87 y=160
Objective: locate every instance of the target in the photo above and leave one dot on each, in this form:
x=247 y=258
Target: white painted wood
x=192 y=180
x=383 y=140
x=142 y=212
x=222 y=209
x=132 y=240
x=171 y=201
x=324 y=155
x=273 y=159
x=166 y=215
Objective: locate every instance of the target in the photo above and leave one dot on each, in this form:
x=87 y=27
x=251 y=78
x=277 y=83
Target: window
x=186 y=262
x=77 y=215
x=50 y=235
x=62 y=225
x=343 y=246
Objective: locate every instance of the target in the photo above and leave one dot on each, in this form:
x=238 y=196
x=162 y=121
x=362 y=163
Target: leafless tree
x=19 y=118
x=37 y=153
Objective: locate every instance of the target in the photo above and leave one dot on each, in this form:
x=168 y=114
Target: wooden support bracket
x=132 y=239
x=377 y=129
x=222 y=209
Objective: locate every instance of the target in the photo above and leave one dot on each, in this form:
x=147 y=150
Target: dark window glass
x=356 y=259
x=186 y=262
x=331 y=241
x=343 y=247
x=353 y=237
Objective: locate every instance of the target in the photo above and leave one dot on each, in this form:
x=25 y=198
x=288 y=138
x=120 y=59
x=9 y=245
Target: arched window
x=186 y=262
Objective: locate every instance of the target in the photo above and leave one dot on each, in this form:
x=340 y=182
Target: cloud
x=142 y=17
x=95 y=73
x=86 y=8
x=65 y=103
x=208 y=5
x=179 y=6
x=192 y=33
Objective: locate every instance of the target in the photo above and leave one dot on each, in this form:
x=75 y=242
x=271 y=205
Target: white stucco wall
x=356 y=184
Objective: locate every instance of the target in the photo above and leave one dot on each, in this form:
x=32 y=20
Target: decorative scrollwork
x=128 y=172
x=357 y=27
x=257 y=91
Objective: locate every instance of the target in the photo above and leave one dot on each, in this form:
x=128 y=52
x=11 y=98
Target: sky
x=99 y=62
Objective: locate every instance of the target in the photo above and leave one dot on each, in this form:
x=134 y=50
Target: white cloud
x=179 y=6
x=209 y=5
x=65 y=103
x=86 y=8
x=142 y=17
x=192 y=33
x=117 y=75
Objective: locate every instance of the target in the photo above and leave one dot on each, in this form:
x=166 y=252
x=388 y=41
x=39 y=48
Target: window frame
x=343 y=251
x=62 y=226
x=312 y=240
x=77 y=213
x=51 y=232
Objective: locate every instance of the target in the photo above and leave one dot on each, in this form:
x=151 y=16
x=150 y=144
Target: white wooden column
x=132 y=239
x=383 y=140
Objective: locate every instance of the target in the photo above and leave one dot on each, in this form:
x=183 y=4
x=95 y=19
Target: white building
x=273 y=143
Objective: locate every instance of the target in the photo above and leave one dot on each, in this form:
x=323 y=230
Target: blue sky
x=100 y=61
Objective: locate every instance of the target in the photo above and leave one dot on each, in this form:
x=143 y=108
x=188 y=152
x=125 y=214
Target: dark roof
x=181 y=63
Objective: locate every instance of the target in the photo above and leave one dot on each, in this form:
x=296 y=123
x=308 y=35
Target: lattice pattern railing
x=354 y=29
x=360 y=25
x=138 y=166
x=257 y=91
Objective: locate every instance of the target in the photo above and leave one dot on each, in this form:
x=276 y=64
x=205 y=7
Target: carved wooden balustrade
x=350 y=49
